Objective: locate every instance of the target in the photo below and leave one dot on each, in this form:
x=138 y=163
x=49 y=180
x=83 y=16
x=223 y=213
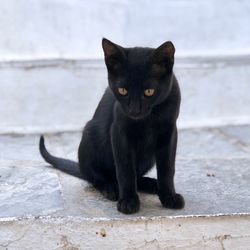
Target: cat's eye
x=122 y=91
x=149 y=92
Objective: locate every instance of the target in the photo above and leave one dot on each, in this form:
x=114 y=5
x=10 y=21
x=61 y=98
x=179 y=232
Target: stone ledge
x=210 y=60
x=184 y=233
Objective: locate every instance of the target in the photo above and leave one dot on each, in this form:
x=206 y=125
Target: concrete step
x=54 y=96
x=41 y=204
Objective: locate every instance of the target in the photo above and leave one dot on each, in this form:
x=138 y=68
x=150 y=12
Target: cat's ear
x=114 y=54
x=166 y=50
x=164 y=55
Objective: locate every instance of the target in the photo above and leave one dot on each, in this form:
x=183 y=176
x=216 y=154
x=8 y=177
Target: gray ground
x=213 y=172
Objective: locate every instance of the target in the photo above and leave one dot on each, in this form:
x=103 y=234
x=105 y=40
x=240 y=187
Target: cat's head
x=140 y=78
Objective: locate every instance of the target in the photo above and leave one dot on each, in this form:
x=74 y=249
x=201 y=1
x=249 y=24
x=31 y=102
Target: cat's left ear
x=164 y=55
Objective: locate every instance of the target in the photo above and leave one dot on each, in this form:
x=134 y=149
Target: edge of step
x=184 y=60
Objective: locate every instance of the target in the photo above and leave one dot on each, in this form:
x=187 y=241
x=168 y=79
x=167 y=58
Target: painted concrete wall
x=73 y=28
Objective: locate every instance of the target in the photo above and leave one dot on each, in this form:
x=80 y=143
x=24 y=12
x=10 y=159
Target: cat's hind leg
x=147 y=185
x=100 y=173
x=108 y=189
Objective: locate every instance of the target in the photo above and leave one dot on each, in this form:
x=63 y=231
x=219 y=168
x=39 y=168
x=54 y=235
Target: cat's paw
x=175 y=201
x=129 y=206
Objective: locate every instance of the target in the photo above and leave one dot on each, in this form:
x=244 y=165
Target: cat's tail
x=67 y=166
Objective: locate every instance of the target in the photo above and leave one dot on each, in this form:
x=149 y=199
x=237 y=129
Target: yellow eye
x=149 y=92
x=122 y=91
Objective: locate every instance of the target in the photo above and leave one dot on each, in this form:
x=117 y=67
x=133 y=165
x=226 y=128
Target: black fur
x=129 y=134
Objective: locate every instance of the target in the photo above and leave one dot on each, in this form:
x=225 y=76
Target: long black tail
x=67 y=166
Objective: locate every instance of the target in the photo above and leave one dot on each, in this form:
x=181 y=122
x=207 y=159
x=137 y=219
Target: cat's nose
x=134 y=108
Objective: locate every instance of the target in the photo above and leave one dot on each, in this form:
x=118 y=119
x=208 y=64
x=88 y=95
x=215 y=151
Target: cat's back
x=97 y=130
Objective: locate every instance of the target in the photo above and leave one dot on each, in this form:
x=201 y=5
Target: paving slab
x=192 y=143
x=26 y=191
x=210 y=167
x=25 y=147
x=238 y=134
x=210 y=187
x=210 y=143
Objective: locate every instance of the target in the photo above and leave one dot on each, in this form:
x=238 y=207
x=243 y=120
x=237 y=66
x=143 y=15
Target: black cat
x=134 y=127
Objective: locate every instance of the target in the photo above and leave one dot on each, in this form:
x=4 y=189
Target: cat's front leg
x=125 y=171
x=165 y=163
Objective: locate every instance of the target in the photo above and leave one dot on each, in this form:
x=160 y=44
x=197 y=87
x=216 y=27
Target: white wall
x=36 y=29
x=58 y=95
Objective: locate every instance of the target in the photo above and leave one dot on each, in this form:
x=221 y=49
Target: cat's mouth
x=138 y=116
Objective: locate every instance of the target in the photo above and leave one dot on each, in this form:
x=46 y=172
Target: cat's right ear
x=114 y=54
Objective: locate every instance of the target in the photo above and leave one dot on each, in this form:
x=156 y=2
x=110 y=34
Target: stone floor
x=213 y=174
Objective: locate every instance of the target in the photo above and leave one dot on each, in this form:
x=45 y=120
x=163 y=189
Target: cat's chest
x=142 y=136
